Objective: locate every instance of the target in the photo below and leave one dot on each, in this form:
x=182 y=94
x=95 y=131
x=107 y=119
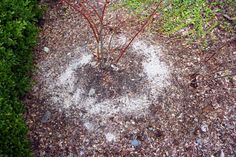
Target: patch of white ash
x=123 y=105
x=67 y=93
x=64 y=86
x=156 y=70
x=69 y=73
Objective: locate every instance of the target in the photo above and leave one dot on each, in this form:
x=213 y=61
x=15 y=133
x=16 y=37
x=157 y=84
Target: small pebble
x=46 y=117
x=46 y=49
x=91 y=92
x=222 y=154
x=132 y=122
x=204 y=128
x=135 y=143
x=93 y=64
x=199 y=141
x=114 y=67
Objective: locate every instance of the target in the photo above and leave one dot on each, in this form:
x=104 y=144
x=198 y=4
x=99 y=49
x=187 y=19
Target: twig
x=95 y=19
x=214 y=54
x=110 y=40
x=104 y=9
x=229 y=18
x=96 y=12
x=87 y=17
x=223 y=45
x=122 y=52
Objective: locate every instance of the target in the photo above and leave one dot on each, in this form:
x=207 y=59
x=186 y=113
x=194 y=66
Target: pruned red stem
x=122 y=52
x=86 y=16
x=96 y=12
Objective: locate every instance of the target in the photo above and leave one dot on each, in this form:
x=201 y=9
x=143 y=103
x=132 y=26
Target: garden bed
x=158 y=101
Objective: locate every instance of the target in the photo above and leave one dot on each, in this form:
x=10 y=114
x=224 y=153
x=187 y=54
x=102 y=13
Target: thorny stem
x=83 y=9
x=100 y=43
x=122 y=52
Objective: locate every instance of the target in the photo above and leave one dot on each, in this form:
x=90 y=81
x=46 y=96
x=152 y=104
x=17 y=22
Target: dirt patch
x=112 y=91
x=110 y=81
x=160 y=100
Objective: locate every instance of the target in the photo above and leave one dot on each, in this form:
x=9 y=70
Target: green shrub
x=17 y=38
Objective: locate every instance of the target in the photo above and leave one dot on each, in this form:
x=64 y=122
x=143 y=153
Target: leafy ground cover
x=17 y=38
x=196 y=21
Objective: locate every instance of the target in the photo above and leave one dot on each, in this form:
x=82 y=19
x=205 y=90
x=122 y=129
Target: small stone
x=91 y=92
x=46 y=49
x=93 y=64
x=132 y=122
x=46 y=117
x=222 y=154
x=135 y=143
x=204 y=128
x=114 y=67
x=199 y=141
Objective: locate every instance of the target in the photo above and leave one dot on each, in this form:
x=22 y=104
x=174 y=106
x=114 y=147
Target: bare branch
x=122 y=52
x=86 y=16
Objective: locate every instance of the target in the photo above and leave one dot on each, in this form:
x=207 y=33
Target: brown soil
x=194 y=116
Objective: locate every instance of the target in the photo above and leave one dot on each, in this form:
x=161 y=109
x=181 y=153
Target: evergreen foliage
x=17 y=38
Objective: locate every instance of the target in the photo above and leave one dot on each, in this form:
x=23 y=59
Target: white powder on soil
x=66 y=93
x=124 y=105
x=69 y=73
x=156 y=70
